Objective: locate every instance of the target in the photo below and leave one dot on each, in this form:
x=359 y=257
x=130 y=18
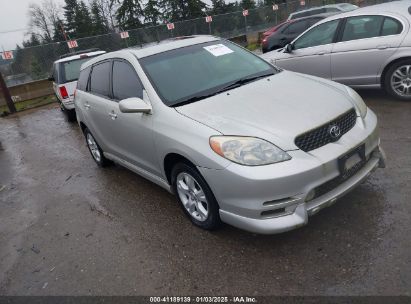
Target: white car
x=64 y=75
x=366 y=48
x=331 y=8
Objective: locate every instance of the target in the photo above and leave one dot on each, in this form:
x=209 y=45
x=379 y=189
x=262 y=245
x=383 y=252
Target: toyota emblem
x=334 y=131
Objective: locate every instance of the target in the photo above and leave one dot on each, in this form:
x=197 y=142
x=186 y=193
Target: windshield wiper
x=230 y=86
x=243 y=81
x=193 y=99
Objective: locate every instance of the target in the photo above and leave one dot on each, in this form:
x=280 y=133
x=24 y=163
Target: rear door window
x=100 y=79
x=362 y=27
x=391 y=27
x=70 y=70
x=126 y=83
x=83 y=79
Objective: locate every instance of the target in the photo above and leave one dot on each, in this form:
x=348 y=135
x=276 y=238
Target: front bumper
x=277 y=198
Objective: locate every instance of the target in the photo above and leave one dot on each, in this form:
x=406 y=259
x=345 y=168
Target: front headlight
x=249 y=151
x=359 y=102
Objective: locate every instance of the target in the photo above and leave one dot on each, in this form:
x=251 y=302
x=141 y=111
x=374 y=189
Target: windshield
x=202 y=70
x=70 y=70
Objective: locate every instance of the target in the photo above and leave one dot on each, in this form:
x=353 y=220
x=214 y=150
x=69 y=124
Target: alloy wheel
x=401 y=80
x=93 y=147
x=192 y=196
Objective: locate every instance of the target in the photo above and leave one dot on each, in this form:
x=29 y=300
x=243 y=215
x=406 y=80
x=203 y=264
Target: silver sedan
x=369 y=47
x=227 y=132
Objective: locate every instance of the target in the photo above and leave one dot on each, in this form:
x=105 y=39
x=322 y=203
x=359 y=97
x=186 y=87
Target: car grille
x=320 y=136
x=335 y=182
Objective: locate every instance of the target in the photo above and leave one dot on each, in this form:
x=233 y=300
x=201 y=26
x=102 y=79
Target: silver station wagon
x=369 y=47
x=227 y=132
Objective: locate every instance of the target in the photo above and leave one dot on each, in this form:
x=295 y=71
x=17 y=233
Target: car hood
x=277 y=108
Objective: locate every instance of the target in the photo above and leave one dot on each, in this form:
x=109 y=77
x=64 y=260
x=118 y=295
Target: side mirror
x=50 y=78
x=289 y=48
x=134 y=105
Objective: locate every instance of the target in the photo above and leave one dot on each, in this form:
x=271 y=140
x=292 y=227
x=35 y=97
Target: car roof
x=323 y=15
x=279 y=25
x=337 y=5
x=158 y=47
x=80 y=56
x=395 y=7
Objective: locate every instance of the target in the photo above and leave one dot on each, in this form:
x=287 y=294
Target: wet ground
x=68 y=227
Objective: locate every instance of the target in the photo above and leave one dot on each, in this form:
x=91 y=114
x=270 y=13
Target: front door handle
x=87 y=106
x=383 y=47
x=113 y=115
x=321 y=53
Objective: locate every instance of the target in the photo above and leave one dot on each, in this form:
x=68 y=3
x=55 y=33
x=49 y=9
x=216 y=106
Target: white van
x=64 y=75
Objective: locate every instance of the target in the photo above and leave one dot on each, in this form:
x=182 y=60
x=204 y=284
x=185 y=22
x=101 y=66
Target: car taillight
x=63 y=92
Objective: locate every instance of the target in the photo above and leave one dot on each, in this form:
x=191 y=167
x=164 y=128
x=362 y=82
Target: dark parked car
x=283 y=33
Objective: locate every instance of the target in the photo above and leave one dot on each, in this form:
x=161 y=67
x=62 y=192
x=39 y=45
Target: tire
x=398 y=78
x=202 y=210
x=95 y=149
x=71 y=115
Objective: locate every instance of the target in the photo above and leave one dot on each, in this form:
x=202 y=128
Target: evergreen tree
x=177 y=10
x=194 y=9
x=83 y=21
x=247 y=4
x=99 y=24
x=70 y=10
x=151 y=12
x=221 y=7
x=36 y=70
x=32 y=41
x=260 y=3
x=129 y=14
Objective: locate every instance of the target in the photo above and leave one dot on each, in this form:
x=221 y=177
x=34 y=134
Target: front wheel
x=397 y=80
x=195 y=197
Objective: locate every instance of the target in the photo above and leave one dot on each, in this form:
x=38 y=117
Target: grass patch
x=253 y=46
x=28 y=104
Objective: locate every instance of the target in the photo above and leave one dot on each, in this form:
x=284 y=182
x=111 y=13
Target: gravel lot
x=70 y=228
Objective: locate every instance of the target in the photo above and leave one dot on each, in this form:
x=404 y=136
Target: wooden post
x=6 y=94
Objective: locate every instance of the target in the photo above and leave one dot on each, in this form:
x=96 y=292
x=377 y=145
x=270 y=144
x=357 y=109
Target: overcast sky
x=13 y=15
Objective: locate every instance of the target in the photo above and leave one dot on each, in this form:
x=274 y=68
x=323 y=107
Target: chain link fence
x=34 y=63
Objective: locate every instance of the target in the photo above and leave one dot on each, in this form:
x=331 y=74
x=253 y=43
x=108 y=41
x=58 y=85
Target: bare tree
x=43 y=19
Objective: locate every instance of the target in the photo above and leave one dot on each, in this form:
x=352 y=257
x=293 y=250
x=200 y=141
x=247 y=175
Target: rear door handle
x=321 y=53
x=383 y=47
x=87 y=106
x=113 y=115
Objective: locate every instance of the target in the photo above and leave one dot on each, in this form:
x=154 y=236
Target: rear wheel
x=397 y=80
x=71 y=115
x=95 y=149
x=195 y=197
